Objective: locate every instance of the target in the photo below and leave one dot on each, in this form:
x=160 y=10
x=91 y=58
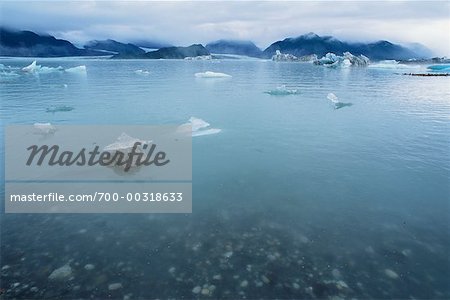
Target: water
x=292 y=199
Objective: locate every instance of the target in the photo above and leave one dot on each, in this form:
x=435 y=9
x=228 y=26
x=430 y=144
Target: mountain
x=151 y=44
x=114 y=47
x=178 y=52
x=247 y=48
x=420 y=49
x=28 y=43
x=311 y=43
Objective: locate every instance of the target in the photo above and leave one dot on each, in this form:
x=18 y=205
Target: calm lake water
x=292 y=199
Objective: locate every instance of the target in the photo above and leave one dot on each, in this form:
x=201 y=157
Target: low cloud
x=263 y=22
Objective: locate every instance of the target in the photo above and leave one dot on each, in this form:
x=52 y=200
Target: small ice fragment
x=282 y=91
x=142 y=72
x=89 y=267
x=197 y=289
x=209 y=74
x=124 y=142
x=44 y=128
x=60 y=108
x=77 y=70
x=333 y=98
x=196 y=127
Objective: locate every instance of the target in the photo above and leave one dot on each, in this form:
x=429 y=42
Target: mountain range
x=29 y=44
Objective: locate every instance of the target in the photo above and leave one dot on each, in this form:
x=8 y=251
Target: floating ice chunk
x=46 y=70
x=333 y=98
x=31 y=68
x=439 y=68
x=284 y=57
x=124 y=142
x=44 y=128
x=142 y=72
x=8 y=74
x=196 y=127
x=282 y=91
x=200 y=57
x=209 y=74
x=77 y=70
x=392 y=65
x=336 y=103
x=333 y=61
x=206 y=132
x=60 y=108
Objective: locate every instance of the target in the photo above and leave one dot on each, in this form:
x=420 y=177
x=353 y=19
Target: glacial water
x=291 y=199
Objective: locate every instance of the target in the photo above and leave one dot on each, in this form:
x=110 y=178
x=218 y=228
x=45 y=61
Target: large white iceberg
x=197 y=127
x=209 y=74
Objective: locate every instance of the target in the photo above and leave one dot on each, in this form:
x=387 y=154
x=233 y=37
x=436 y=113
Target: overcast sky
x=184 y=23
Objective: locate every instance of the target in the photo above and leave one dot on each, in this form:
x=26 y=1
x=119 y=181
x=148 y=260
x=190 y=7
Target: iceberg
x=392 y=65
x=282 y=91
x=332 y=60
x=123 y=147
x=124 y=143
x=284 y=57
x=77 y=70
x=38 y=69
x=44 y=128
x=197 y=127
x=439 y=68
x=60 y=108
x=8 y=74
x=142 y=72
x=209 y=74
x=31 y=68
x=336 y=103
x=46 y=70
x=201 y=57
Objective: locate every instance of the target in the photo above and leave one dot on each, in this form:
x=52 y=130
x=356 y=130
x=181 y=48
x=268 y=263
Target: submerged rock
x=89 y=267
x=391 y=274
x=63 y=273
x=114 y=286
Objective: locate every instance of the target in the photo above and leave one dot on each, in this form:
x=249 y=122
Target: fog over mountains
x=30 y=44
